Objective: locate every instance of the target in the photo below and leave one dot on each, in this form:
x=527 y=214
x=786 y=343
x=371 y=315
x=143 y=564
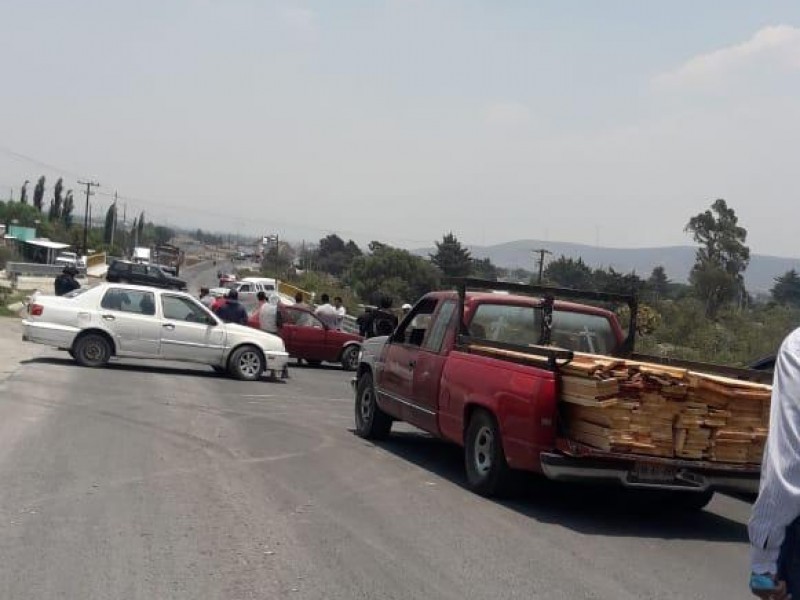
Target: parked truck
x=481 y=366
x=169 y=258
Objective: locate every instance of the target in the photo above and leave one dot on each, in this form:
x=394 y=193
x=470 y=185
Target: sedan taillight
x=35 y=310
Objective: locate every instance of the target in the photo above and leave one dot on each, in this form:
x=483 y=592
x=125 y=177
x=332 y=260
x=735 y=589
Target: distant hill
x=676 y=260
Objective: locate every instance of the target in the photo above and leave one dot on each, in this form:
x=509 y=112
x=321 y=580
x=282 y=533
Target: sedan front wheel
x=246 y=363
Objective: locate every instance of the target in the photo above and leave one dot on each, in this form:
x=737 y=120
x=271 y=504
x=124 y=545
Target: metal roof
x=45 y=243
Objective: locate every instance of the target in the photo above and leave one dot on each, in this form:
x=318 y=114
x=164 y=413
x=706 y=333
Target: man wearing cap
x=66 y=282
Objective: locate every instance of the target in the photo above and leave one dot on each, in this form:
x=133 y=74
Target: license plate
x=653 y=473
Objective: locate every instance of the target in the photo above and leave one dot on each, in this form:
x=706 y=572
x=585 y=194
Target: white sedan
x=114 y=319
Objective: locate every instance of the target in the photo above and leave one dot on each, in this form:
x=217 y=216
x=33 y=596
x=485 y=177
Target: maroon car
x=306 y=337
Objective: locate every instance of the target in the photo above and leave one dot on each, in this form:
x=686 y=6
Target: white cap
x=406 y=307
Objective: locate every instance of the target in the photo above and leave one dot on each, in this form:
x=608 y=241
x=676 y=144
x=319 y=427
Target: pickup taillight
x=35 y=310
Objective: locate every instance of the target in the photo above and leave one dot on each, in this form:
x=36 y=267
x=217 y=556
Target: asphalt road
x=165 y=481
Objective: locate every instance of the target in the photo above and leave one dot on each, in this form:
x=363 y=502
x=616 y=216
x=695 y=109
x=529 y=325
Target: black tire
x=91 y=350
x=350 y=358
x=371 y=422
x=488 y=472
x=246 y=363
x=313 y=363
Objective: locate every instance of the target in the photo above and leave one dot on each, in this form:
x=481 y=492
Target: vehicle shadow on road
x=594 y=510
x=199 y=371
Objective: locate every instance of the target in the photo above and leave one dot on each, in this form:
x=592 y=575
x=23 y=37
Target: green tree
x=23 y=192
x=787 y=289
x=484 y=268
x=24 y=214
x=721 y=259
x=393 y=272
x=162 y=234
x=55 y=204
x=66 y=211
x=658 y=283
x=569 y=273
x=110 y=224
x=38 y=194
x=611 y=281
x=451 y=257
x=333 y=255
x=140 y=229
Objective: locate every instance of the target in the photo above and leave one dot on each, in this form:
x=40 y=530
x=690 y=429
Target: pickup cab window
x=507 y=323
x=522 y=325
x=583 y=332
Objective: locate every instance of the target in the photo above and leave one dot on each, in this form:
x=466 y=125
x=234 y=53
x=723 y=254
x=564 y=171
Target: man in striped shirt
x=775 y=523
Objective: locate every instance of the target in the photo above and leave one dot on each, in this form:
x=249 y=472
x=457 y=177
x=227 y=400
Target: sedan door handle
x=109 y=317
x=169 y=326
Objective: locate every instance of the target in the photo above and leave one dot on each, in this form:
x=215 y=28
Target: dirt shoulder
x=12 y=349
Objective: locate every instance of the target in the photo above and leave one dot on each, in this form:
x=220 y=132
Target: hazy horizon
x=608 y=125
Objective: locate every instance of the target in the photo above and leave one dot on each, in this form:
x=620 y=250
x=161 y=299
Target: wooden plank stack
x=653 y=410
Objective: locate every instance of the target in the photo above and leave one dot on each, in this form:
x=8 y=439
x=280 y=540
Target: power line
x=161 y=204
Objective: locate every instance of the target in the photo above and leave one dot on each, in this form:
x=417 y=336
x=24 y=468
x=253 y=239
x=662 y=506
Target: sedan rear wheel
x=92 y=350
x=246 y=363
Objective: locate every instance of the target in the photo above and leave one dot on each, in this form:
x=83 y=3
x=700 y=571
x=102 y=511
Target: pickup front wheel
x=371 y=422
x=487 y=470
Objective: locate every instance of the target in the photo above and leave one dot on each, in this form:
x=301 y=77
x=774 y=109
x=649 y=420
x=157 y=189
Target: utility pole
x=89 y=185
x=114 y=222
x=541 y=252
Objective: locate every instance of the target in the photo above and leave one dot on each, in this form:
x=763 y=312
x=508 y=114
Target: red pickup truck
x=505 y=412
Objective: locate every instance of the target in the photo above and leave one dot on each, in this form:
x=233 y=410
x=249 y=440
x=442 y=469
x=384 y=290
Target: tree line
x=711 y=317
x=55 y=220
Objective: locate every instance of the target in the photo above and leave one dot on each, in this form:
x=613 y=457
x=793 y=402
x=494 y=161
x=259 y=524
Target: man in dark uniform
x=232 y=311
x=381 y=321
x=66 y=282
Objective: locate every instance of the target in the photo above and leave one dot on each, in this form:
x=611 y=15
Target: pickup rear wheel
x=371 y=422
x=487 y=470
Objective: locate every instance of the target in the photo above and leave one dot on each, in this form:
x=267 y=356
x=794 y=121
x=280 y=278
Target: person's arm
x=778 y=502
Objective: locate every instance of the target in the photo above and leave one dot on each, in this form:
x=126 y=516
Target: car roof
x=132 y=286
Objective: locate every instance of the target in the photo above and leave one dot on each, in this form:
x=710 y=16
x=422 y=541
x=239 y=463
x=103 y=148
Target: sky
x=607 y=123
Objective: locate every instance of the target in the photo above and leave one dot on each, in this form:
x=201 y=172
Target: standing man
x=232 y=311
x=269 y=315
x=254 y=319
x=341 y=311
x=381 y=321
x=206 y=298
x=299 y=302
x=66 y=282
x=774 y=524
x=327 y=313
